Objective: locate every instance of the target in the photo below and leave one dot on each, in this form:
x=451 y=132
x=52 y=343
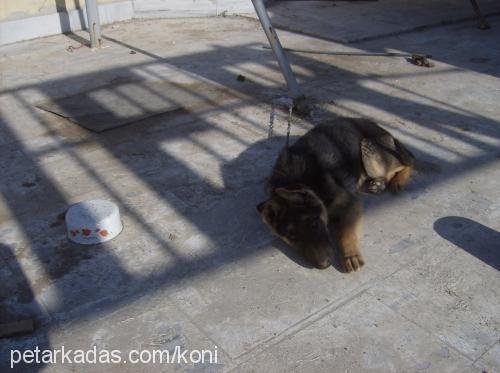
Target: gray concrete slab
x=450 y=292
x=349 y=22
x=350 y=339
x=161 y=326
x=194 y=265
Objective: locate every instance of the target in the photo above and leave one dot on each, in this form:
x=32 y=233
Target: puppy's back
x=332 y=147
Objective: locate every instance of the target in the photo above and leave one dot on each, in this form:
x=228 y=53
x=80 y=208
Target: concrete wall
x=18 y=9
x=28 y=19
x=190 y=8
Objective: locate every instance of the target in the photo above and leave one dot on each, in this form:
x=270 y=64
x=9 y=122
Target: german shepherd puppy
x=312 y=189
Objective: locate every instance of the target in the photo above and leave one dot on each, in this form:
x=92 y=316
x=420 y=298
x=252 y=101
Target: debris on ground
x=71 y=48
x=420 y=60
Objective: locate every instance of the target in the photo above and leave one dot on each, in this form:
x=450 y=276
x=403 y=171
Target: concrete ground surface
x=194 y=266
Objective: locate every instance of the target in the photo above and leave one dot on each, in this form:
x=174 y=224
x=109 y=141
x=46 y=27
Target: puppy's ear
x=260 y=207
x=298 y=195
x=268 y=211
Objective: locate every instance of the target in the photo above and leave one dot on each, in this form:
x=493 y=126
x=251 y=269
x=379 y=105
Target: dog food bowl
x=92 y=222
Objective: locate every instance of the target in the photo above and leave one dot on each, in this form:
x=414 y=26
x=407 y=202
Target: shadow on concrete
x=225 y=215
x=63 y=13
x=17 y=302
x=200 y=202
x=471 y=236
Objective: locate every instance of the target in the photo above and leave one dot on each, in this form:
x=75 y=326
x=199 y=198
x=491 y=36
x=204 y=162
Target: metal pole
x=483 y=23
x=293 y=86
x=94 y=25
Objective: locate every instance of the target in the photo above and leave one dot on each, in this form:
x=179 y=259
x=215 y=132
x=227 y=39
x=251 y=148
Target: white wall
x=44 y=24
x=190 y=8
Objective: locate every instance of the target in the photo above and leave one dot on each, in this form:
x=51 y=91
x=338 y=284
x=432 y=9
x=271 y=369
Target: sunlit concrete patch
x=362 y=336
x=340 y=21
x=243 y=306
x=387 y=217
x=452 y=296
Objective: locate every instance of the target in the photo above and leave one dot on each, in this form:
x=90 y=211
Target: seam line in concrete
x=487 y=350
x=308 y=320
x=297 y=327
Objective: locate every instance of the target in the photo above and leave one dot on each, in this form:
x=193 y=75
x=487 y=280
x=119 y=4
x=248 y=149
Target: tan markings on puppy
x=390 y=174
x=373 y=159
x=400 y=180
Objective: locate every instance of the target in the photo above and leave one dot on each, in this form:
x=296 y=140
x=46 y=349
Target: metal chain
x=272 y=117
x=271 y=122
x=290 y=113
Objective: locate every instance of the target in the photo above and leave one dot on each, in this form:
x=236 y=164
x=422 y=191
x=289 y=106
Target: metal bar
x=293 y=86
x=93 y=22
x=483 y=23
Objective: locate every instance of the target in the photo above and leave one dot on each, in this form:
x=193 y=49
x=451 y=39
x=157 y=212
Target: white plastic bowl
x=92 y=222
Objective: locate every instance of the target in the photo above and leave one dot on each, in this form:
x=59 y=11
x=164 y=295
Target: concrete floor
x=194 y=266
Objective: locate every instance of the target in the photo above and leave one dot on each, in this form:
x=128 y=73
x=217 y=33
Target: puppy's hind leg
x=400 y=179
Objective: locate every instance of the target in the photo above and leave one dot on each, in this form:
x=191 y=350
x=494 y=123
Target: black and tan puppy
x=312 y=189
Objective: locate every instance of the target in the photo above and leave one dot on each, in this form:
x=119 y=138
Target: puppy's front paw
x=376 y=186
x=353 y=263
